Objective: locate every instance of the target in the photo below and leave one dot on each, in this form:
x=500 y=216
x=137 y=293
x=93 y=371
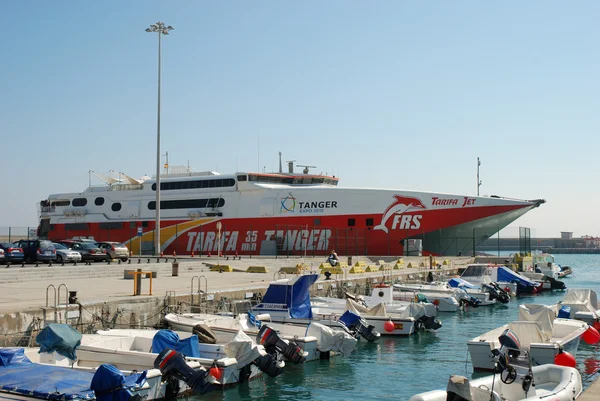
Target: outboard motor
x=469 y=301
x=173 y=365
x=358 y=325
x=269 y=365
x=273 y=343
x=429 y=323
x=496 y=292
x=556 y=284
x=510 y=349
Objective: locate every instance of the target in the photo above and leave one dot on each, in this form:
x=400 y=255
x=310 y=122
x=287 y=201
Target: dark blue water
x=397 y=368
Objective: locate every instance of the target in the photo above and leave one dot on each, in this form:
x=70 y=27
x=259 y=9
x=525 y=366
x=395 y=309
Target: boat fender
x=205 y=334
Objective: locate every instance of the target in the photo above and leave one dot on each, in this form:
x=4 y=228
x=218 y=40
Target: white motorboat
x=237 y=361
x=548 y=382
x=583 y=305
x=479 y=274
x=56 y=370
x=407 y=317
x=515 y=378
x=491 y=291
x=316 y=341
x=289 y=301
x=541 y=333
x=377 y=316
x=445 y=297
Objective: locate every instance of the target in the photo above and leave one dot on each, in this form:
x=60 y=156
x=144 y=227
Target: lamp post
x=161 y=29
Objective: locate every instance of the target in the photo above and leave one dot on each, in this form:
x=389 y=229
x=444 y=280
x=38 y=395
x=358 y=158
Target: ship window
x=370 y=222
x=188 y=204
x=132 y=224
x=154 y=187
x=116 y=207
x=242 y=178
x=145 y=224
x=317 y=222
x=111 y=226
x=76 y=226
x=61 y=203
x=193 y=184
x=79 y=202
x=99 y=201
x=351 y=222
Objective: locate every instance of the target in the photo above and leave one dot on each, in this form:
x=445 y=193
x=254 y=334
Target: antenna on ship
x=280 y=168
x=479 y=182
x=305 y=171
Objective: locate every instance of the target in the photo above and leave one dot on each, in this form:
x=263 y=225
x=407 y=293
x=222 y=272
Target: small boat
x=514 y=379
x=407 y=317
x=237 y=361
x=542 y=335
x=480 y=273
x=565 y=271
x=288 y=301
x=491 y=291
x=55 y=371
x=582 y=305
x=443 y=293
x=315 y=341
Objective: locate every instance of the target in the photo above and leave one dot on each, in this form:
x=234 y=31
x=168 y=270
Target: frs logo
x=401 y=205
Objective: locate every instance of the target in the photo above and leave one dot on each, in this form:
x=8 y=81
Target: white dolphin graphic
x=399 y=206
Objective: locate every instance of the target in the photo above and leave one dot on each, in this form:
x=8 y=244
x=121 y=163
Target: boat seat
x=527 y=333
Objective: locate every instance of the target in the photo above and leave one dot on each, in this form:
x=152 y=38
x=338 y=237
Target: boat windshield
x=475 y=270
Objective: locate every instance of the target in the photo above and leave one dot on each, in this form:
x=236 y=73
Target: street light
x=162 y=30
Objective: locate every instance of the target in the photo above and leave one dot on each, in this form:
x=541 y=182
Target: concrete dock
x=34 y=296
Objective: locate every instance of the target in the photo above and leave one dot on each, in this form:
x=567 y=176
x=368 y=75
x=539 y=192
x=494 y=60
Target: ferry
x=281 y=213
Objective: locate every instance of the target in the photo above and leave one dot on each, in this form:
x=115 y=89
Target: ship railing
x=116 y=187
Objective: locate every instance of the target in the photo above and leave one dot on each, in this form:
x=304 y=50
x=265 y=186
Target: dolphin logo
x=399 y=206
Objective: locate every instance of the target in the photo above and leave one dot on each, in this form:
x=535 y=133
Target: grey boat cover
x=581 y=300
x=377 y=310
x=543 y=315
x=331 y=339
x=244 y=349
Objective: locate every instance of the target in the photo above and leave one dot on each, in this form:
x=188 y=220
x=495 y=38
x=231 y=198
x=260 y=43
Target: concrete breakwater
x=99 y=295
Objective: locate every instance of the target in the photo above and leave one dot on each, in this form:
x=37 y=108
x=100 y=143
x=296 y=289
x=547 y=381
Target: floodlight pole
x=160 y=28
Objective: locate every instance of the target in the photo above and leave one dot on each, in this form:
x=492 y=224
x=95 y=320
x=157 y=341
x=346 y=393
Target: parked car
x=115 y=250
x=2 y=257
x=64 y=254
x=89 y=250
x=37 y=250
x=12 y=253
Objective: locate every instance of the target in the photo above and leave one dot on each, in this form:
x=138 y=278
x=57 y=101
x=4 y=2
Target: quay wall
x=21 y=320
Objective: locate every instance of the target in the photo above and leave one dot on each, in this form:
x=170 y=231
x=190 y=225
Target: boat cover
x=543 y=315
x=293 y=294
x=109 y=384
x=509 y=276
x=329 y=339
x=18 y=374
x=243 y=348
x=169 y=339
x=377 y=310
x=581 y=300
x=60 y=338
x=460 y=283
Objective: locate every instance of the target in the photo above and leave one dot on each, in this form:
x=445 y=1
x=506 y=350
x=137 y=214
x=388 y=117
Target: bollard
x=138 y=282
x=63 y=263
x=139 y=261
x=175 y=268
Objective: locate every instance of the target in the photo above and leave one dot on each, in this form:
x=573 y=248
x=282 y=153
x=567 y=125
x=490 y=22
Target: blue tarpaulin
x=109 y=384
x=460 y=283
x=61 y=338
x=293 y=294
x=169 y=339
x=509 y=276
x=49 y=382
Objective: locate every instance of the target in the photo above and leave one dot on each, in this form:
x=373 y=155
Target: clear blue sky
x=391 y=94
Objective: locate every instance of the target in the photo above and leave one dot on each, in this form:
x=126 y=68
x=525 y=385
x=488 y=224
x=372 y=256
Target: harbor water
x=397 y=368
